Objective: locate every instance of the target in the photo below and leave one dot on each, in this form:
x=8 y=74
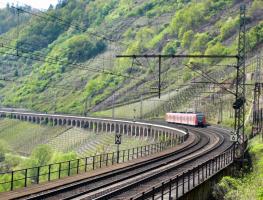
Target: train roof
x=198 y=113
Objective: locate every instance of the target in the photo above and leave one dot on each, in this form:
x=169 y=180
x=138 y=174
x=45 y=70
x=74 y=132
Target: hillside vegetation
x=251 y=185
x=67 y=53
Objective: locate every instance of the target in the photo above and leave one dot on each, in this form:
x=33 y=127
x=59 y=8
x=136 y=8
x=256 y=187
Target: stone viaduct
x=97 y=125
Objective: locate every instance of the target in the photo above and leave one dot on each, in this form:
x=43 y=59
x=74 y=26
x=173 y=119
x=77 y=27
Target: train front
x=201 y=121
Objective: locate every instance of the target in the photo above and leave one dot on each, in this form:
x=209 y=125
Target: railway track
x=126 y=182
x=178 y=168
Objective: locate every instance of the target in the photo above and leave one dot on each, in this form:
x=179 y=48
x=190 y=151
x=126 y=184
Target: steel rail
x=116 y=175
x=163 y=162
x=141 y=184
x=80 y=188
x=184 y=167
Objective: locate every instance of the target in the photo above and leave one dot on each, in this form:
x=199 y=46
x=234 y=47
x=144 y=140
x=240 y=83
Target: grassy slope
x=249 y=187
x=252 y=185
x=23 y=137
x=86 y=143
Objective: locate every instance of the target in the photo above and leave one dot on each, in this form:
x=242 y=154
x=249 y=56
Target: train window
x=200 y=117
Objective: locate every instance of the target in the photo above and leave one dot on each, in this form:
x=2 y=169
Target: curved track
x=127 y=182
x=188 y=163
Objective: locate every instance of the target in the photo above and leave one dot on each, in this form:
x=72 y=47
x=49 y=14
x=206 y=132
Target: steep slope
x=8 y=19
x=63 y=60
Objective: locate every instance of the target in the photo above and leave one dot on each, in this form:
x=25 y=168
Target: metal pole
x=59 y=170
x=240 y=81
x=221 y=107
x=113 y=106
x=118 y=153
x=141 y=108
x=25 y=178
x=49 y=169
x=170 y=102
x=12 y=181
x=159 y=82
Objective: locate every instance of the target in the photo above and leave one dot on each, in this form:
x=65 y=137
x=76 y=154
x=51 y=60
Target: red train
x=194 y=119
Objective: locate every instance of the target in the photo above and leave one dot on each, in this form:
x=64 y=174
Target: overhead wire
x=20 y=43
x=210 y=79
x=70 y=24
x=53 y=60
x=67 y=23
x=69 y=88
x=38 y=52
x=29 y=44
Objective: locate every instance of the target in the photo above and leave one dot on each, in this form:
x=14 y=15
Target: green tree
x=42 y=155
x=187 y=38
x=228 y=28
x=217 y=49
x=199 y=42
x=81 y=48
x=3 y=150
x=11 y=161
x=16 y=73
x=187 y=76
x=171 y=47
x=256 y=8
x=225 y=187
x=63 y=157
x=255 y=36
x=8 y=18
x=7 y=178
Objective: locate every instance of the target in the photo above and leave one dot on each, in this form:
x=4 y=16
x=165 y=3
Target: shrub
x=42 y=154
x=226 y=185
x=256 y=8
x=200 y=42
x=157 y=39
x=189 y=17
x=255 y=36
x=187 y=76
x=187 y=38
x=260 y=193
x=217 y=49
x=228 y=28
x=171 y=47
x=79 y=48
x=3 y=149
